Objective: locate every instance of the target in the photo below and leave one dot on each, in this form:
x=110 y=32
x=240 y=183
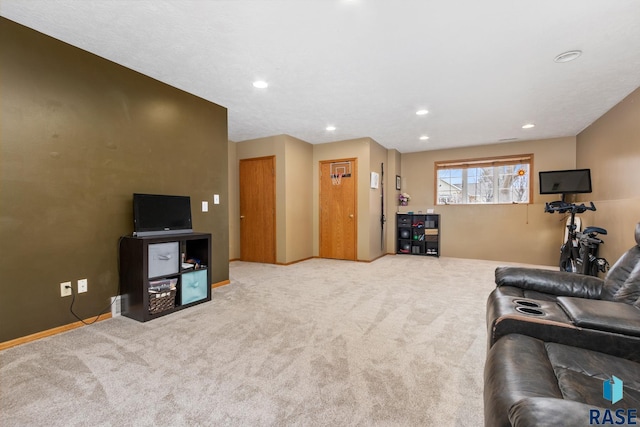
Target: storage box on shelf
x=155 y=280
x=418 y=234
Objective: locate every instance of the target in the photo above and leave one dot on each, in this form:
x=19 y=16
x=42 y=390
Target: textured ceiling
x=481 y=68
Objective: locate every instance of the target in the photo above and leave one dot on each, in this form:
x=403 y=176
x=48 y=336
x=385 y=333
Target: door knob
x=241 y=216
x=350 y=215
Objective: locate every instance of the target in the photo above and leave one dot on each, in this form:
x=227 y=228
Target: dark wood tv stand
x=151 y=262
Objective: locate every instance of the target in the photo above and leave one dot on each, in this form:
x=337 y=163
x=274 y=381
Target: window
x=484 y=181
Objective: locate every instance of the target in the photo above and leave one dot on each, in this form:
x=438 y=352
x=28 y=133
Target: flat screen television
x=156 y=214
x=565 y=181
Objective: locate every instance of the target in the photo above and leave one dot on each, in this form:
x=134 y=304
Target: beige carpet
x=396 y=342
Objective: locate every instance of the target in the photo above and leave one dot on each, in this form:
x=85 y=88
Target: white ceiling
x=481 y=68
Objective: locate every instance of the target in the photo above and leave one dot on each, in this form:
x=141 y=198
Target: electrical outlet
x=216 y=199
x=65 y=289
x=82 y=285
x=116 y=306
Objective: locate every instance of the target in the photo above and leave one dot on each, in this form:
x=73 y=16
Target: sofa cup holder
x=531 y=311
x=526 y=303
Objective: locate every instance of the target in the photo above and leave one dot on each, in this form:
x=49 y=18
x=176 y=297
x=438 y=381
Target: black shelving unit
x=154 y=281
x=418 y=234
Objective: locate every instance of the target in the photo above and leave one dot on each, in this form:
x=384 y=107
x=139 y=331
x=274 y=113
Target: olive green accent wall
x=78 y=136
x=610 y=147
x=517 y=233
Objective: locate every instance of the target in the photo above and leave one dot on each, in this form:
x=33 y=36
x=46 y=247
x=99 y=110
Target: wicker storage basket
x=161 y=301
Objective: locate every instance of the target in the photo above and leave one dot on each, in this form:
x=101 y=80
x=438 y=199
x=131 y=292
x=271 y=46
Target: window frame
x=480 y=162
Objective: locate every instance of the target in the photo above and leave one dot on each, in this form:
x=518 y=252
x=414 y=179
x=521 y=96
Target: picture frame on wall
x=398 y=182
x=375 y=179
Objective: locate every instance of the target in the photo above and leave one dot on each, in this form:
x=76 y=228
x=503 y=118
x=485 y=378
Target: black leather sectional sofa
x=531 y=382
x=556 y=340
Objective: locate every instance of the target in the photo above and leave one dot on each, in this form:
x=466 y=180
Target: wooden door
x=338 y=215
x=258 y=210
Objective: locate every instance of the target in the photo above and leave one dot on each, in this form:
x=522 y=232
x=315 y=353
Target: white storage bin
x=164 y=259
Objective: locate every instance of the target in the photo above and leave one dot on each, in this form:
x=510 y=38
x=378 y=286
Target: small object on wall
x=375 y=179
x=398 y=182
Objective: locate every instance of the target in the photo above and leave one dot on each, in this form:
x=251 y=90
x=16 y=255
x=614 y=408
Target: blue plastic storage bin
x=194 y=286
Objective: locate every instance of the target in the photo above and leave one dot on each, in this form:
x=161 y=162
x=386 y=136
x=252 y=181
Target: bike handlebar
x=592 y=240
x=563 y=207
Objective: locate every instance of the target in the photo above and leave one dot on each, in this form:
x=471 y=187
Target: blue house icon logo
x=612 y=389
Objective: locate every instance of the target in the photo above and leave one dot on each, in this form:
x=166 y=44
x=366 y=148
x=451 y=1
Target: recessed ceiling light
x=424 y=137
x=568 y=56
x=260 y=84
x=422 y=112
x=528 y=126
x=330 y=128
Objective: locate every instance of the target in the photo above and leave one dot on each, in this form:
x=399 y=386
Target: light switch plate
x=216 y=199
x=205 y=206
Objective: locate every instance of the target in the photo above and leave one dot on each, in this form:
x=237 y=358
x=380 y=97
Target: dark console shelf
x=418 y=234
x=153 y=280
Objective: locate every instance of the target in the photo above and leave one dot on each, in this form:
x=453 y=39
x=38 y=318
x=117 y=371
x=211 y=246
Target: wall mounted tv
x=565 y=181
x=156 y=214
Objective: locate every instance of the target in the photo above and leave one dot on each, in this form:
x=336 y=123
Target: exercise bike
x=579 y=253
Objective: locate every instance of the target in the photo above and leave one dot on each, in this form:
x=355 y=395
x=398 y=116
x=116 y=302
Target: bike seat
x=589 y=230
